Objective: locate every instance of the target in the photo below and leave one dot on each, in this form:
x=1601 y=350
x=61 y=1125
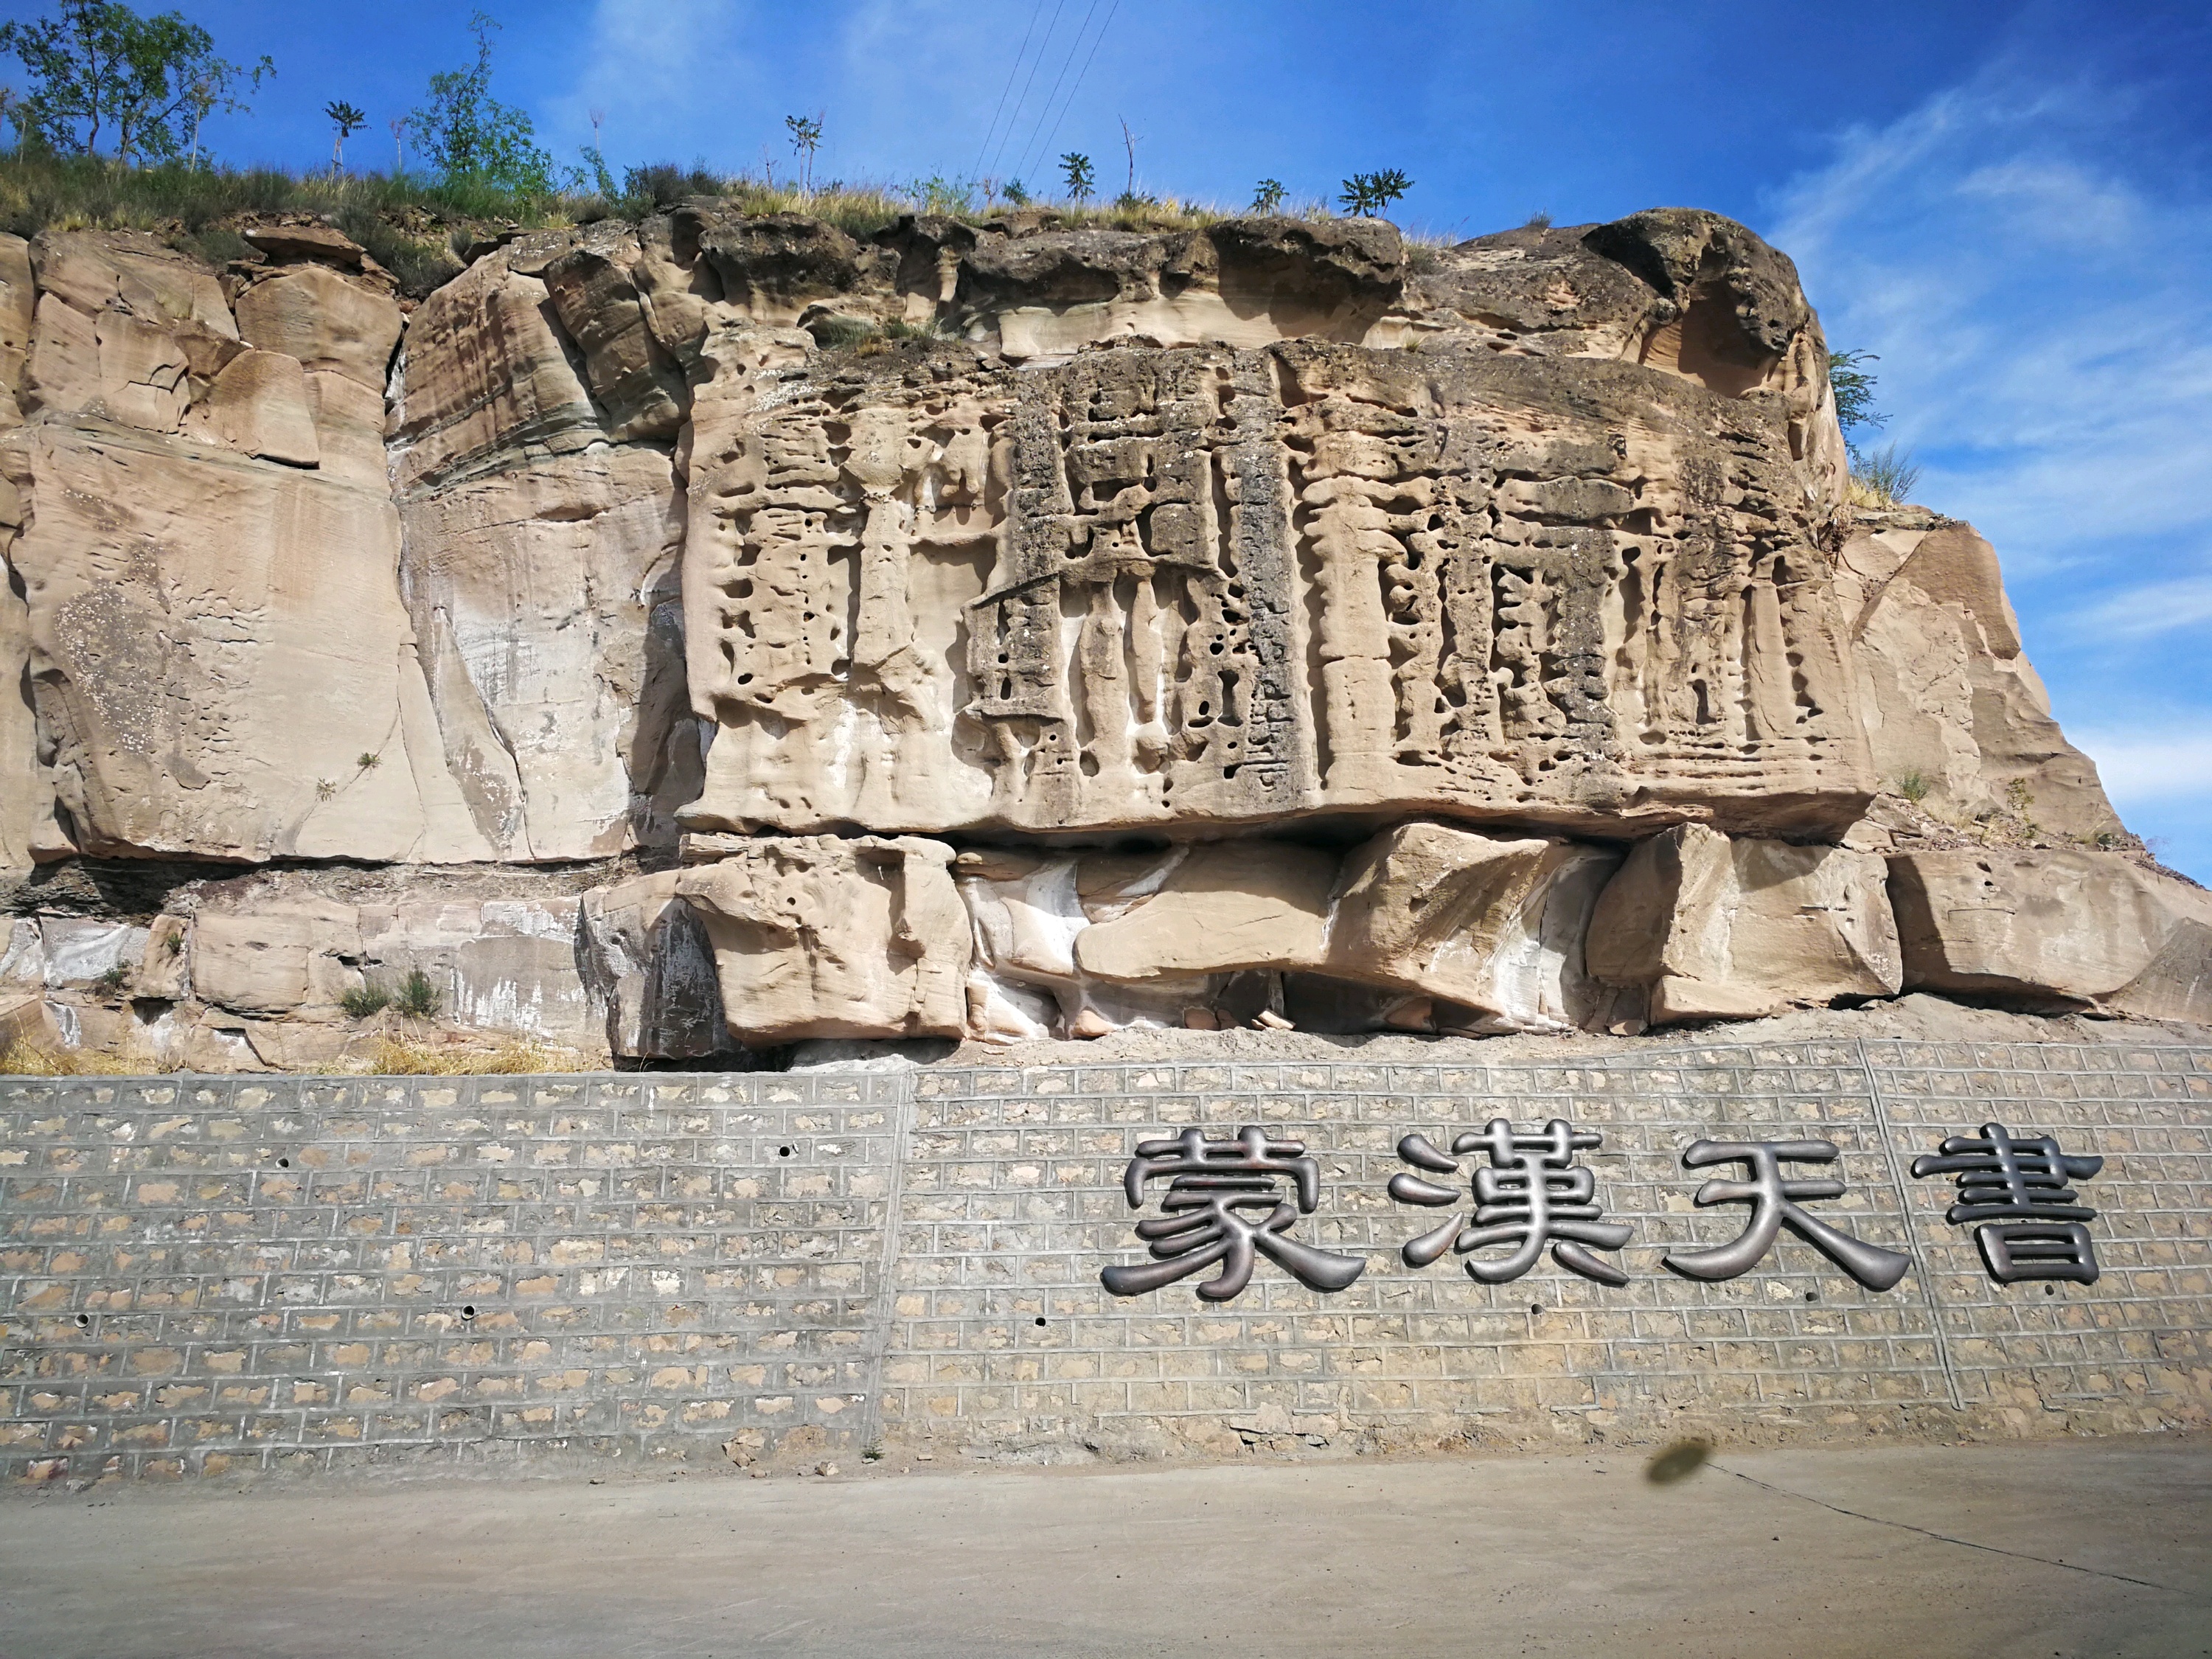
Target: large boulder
x=1490 y=924
x=1713 y=928
x=649 y=969
x=2055 y=930
x=821 y=937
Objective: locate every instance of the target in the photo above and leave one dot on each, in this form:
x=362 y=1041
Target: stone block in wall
x=650 y=971
x=497 y=965
x=1213 y=909
x=822 y=937
x=1717 y=928
x=1492 y=924
x=277 y=959
x=2055 y=929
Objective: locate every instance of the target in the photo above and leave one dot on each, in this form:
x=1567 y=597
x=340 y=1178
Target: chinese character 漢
x=1774 y=1207
x=1529 y=1196
x=2013 y=1192
x=1199 y=1223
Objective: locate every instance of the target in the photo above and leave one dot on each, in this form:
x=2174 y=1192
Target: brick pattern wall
x=201 y=1275
x=213 y=1274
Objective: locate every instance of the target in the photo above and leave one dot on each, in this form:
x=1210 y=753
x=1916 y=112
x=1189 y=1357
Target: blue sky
x=2007 y=203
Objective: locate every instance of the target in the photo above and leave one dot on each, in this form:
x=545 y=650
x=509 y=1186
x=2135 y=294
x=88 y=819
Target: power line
x=1012 y=69
x=1080 y=73
x=1015 y=119
x=1030 y=163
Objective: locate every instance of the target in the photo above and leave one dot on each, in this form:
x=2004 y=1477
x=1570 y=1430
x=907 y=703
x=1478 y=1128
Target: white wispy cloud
x=2039 y=310
x=2155 y=763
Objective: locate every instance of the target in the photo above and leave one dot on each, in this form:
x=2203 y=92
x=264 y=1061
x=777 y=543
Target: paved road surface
x=1571 y=1555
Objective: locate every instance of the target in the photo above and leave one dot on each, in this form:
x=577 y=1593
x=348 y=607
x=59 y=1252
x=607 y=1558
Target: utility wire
x=1080 y=73
x=1015 y=119
x=1037 y=132
x=1012 y=69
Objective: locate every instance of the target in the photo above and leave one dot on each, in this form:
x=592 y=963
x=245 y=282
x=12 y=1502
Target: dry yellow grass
x=21 y=1059
x=397 y=1057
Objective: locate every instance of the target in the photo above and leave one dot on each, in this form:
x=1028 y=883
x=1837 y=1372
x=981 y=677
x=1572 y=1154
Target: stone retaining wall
x=205 y=1275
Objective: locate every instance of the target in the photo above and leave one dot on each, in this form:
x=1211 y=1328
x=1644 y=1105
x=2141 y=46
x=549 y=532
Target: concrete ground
x=2088 y=1548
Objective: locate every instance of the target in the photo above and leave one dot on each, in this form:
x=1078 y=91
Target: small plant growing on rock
x=112 y=983
x=1884 y=477
x=1366 y=194
x=1267 y=196
x=1914 y=786
x=365 y=761
x=365 y=1000
x=418 y=998
x=1081 y=177
x=2019 y=796
x=1538 y=220
x=1016 y=192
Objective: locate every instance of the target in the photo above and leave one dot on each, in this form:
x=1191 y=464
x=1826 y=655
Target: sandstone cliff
x=688 y=637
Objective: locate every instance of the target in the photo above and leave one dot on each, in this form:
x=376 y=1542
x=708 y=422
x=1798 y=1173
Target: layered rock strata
x=1004 y=631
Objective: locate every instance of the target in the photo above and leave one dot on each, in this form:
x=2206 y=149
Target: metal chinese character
x=1529 y=1196
x=2013 y=1192
x=1201 y=1221
x=1774 y=1206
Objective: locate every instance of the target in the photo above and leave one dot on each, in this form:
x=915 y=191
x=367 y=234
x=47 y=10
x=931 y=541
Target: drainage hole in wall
x=468 y=1310
x=283 y=1162
x=2050 y=1290
x=1040 y=1319
x=783 y=1151
x=83 y=1320
x=1536 y=1307
x=1812 y=1295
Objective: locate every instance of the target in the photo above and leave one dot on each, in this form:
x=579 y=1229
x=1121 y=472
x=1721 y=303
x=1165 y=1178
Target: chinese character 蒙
x=1775 y=1206
x=1530 y=1195
x=1204 y=1216
x=2013 y=1192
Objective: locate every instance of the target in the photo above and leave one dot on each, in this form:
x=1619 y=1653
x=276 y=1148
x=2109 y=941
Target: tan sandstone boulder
x=1494 y=925
x=2055 y=929
x=1211 y=909
x=331 y=324
x=258 y=405
x=818 y=937
x=221 y=665
x=543 y=600
x=1721 y=929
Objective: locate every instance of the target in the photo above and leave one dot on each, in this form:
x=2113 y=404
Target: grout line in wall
x=1925 y=1275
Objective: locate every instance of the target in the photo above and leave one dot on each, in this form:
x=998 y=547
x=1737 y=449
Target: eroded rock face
x=1020 y=631
x=1948 y=698
x=1205 y=587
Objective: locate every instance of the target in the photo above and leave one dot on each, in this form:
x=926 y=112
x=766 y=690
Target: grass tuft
x=1883 y=478
x=365 y=1001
